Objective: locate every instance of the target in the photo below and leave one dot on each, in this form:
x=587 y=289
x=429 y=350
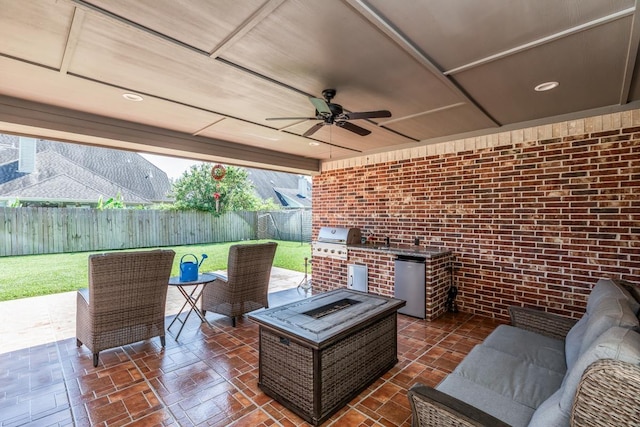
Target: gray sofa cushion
x=534 y=348
x=616 y=343
x=509 y=376
x=606 y=288
x=573 y=340
x=609 y=313
x=501 y=407
x=549 y=414
x=608 y=306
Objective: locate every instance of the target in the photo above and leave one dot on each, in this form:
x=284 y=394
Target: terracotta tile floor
x=209 y=377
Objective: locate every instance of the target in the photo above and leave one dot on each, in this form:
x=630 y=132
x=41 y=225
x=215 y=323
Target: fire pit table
x=319 y=353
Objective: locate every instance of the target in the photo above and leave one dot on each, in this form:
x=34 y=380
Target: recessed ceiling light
x=543 y=87
x=132 y=97
x=314 y=144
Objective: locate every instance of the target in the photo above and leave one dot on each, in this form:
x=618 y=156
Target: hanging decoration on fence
x=217 y=173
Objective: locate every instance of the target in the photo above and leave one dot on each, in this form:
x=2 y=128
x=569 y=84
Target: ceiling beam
x=51 y=122
x=403 y=42
x=422 y=113
x=72 y=39
x=265 y=10
x=632 y=54
x=548 y=39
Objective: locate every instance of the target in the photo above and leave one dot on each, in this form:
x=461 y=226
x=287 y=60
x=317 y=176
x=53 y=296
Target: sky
x=173 y=167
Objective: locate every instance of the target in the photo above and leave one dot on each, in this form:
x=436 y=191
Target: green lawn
x=27 y=276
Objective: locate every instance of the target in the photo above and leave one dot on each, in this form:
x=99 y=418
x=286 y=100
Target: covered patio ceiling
x=211 y=72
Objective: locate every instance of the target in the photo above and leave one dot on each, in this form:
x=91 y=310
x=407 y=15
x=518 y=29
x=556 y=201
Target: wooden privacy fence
x=292 y=225
x=30 y=231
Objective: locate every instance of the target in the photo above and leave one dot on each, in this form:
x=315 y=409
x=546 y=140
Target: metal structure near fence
x=289 y=225
x=31 y=231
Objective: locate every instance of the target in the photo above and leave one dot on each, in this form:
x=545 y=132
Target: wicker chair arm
x=608 y=394
x=551 y=325
x=430 y=407
x=219 y=276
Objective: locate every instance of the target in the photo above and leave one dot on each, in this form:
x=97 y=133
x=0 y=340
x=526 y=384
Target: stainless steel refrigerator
x=409 y=285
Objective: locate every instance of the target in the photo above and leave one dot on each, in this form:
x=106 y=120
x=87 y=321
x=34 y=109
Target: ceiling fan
x=332 y=114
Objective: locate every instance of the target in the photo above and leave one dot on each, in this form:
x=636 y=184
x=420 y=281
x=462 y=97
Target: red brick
x=547 y=217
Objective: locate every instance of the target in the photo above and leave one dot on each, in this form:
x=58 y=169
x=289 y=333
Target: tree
x=196 y=190
x=111 y=203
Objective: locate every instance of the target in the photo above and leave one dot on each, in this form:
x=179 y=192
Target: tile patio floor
x=208 y=378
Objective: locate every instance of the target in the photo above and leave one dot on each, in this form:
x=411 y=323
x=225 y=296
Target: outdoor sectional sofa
x=546 y=370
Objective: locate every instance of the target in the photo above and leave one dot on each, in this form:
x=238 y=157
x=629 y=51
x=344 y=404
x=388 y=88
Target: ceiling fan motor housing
x=331 y=114
x=329 y=94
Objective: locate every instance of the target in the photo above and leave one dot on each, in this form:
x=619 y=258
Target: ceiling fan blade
x=315 y=128
x=354 y=128
x=367 y=115
x=291 y=118
x=321 y=105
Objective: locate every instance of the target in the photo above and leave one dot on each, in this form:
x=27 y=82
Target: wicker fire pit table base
x=319 y=353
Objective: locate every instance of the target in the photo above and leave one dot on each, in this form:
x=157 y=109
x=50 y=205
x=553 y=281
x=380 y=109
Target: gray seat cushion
x=606 y=288
x=607 y=307
x=501 y=407
x=610 y=312
x=534 y=348
x=615 y=343
x=509 y=376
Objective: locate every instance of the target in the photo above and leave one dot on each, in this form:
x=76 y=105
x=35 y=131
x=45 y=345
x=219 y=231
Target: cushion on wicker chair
x=539 y=350
x=608 y=306
x=616 y=343
x=607 y=288
x=492 y=402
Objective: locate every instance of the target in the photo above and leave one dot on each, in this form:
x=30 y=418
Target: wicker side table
x=316 y=365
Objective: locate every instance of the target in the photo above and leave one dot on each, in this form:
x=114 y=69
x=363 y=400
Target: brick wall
x=533 y=216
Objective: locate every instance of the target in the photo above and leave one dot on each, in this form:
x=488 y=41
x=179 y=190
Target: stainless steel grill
x=332 y=242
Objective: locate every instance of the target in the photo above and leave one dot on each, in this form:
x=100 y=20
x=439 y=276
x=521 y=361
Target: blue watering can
x=189 y=269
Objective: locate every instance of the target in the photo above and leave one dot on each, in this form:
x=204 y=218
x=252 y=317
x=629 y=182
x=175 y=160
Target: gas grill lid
x=343 y=236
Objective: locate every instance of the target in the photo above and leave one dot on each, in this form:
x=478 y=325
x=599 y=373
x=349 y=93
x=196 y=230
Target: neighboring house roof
x=127 y=169
x=74 y=184
x=282 y=187
x=291 y=197
x=6 y=155
x=77 y=173
x=66 y=188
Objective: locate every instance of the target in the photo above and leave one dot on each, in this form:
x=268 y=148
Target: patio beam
x=50 y=122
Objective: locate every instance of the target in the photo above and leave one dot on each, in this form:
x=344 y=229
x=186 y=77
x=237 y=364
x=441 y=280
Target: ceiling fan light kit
x=333 y=114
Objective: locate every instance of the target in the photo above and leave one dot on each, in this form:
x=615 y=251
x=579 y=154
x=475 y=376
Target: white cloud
x=172 y=166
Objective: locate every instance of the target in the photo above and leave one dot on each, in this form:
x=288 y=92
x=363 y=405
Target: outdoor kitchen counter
x=417 y=251
x=381 y=272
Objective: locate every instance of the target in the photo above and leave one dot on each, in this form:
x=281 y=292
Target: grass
x=34 y=275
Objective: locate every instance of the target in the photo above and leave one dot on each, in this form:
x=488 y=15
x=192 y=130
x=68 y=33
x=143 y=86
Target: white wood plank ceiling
x=211 y=72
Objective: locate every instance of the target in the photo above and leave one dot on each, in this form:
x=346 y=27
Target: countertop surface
x=410 y=250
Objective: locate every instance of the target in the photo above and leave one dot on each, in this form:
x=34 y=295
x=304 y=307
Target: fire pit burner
x=331 y=308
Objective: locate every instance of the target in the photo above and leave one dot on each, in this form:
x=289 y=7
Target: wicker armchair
x=608 y=393
x=125 y=301
x=245 y=287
